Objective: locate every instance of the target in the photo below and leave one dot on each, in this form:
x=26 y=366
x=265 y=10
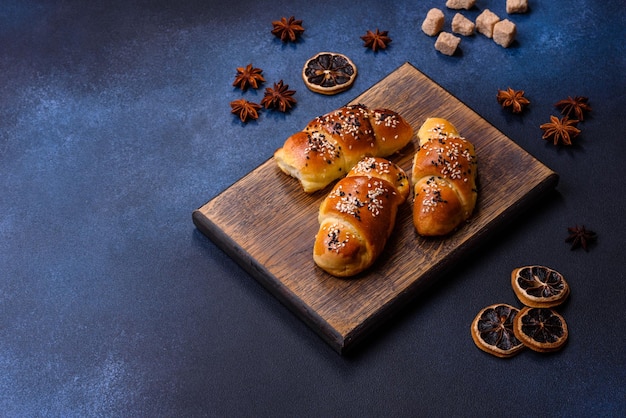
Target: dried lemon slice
x=540 y=329
x=329 y=73
x=492 y=330
x=539 y=286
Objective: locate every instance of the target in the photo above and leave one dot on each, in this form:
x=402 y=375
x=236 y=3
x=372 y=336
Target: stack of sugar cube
x=502 y=31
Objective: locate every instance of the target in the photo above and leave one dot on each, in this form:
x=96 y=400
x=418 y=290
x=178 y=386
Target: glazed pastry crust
x=444 y=179
x=358 y=216
x=331 y=144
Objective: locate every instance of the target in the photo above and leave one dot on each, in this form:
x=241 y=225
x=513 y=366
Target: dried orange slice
x=329 y=73
x=539 y=286
x=492 y=330
x=540 y=329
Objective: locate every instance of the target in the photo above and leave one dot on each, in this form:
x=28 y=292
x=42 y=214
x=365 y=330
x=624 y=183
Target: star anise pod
x=580 y=237
x=513 y=99
x=376 y=40
x=560 y=130
x=279 y=97
x=245 y=109
x=576 y=107
x=287 y=29
x=248 y=76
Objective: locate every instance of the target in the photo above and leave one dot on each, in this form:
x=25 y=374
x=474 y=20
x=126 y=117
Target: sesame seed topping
x=375 y=204
x=366 y=165
x=432 y=195
x=351 y=204
x=347 y=202
x=451 y=156
x=386 y=119
x=318 y=143
x=334 y=243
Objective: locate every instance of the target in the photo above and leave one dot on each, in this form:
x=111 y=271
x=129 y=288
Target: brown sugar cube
x=433 y=23
x=460 y=4
x=504 y=33
x=516 y=6
x=447 y=43
x=485 y=22
x=462 y=25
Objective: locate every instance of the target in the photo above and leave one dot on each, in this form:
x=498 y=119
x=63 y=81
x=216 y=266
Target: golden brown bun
x=444 y=179
x=434 y=127
x=358 y=216
x=392 y=132
x=330 y=145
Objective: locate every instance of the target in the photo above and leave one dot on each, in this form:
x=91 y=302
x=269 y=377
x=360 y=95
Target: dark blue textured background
x=115 y=125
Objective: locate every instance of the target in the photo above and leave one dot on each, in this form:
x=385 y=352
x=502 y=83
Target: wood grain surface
x=267 y=224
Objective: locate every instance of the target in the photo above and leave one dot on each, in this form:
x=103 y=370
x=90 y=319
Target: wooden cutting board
x=267 y=224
